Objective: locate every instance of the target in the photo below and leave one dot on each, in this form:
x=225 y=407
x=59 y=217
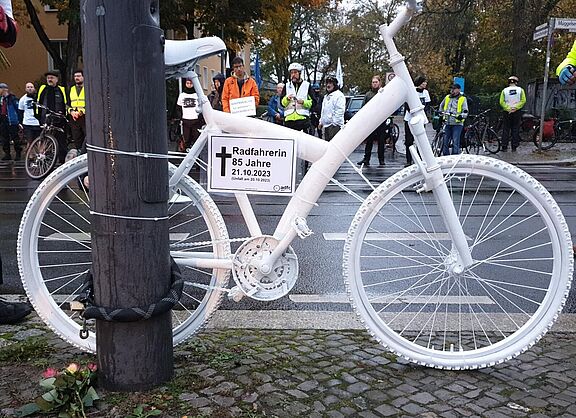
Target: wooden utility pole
x=125 y=91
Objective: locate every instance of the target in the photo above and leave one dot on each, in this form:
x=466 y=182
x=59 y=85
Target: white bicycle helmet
x=295 y=66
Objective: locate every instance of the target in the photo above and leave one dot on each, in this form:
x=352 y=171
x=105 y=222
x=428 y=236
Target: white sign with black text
x=243 y=106
x=251 y=165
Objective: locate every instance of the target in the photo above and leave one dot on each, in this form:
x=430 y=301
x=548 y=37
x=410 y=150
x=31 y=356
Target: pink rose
x=73 y=367
x=92 y=367
x=50 y=372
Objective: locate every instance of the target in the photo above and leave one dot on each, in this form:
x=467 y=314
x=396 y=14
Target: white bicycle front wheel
x=54 y=252
x=399 y=265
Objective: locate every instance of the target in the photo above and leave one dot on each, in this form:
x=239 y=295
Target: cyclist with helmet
x=275 y=108
x=512 y=99
x=215 y=96
x=297 y=99
x=333 y=107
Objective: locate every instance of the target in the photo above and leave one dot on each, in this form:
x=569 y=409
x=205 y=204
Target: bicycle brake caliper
x=432 y=176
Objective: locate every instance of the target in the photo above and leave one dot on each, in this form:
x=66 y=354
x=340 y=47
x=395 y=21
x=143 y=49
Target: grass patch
x=31 y=349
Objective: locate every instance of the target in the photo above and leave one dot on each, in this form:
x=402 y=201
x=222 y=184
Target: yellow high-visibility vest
x=77 y=101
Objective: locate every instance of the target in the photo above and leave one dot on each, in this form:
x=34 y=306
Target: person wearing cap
x=333 y=107
x=191 y=121
x=275 y=108
x=512 y=99
x=54 y=97
x=316 y=111
x=9 y=123
x=455 y=109
x=239 y=85
x=420 y=83
x=297 y=99
x=566 y=71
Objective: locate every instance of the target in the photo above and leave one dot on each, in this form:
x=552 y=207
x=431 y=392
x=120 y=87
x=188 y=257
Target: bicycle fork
x=461 y=257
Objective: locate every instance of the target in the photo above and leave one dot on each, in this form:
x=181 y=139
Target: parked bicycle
x=480 y=136
x=438 y=141
x=42 y=153
x=455 y=262
x=555 y=130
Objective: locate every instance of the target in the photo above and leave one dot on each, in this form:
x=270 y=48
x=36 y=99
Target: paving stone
x=358 y=388
x=387 y=410
x=422 y=398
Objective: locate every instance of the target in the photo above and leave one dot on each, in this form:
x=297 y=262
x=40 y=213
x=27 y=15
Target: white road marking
x=343 y=298
x=394 y=236
x=85 y=236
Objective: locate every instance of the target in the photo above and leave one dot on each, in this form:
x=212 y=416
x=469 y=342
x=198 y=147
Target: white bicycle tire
x=381 y=320
x=61 y=321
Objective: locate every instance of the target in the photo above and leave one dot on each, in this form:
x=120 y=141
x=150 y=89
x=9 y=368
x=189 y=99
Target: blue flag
x=257 y=75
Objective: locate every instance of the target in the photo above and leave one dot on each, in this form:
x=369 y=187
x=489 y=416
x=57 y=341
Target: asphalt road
x=320 y=285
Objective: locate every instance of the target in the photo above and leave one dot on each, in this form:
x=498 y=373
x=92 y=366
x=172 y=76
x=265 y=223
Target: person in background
x=512 y=99
x=275 y=108
x=297 y=99
x=333 y=107
x=566 y=71
x=54 y=97
x=30 y=125
x=379 y=134
x=191 y=121
x=215 y=95
x=420 y=83
x=455 y=106
x=316 y=111
x=239 y=85
x=77 y=111
x=9 y=123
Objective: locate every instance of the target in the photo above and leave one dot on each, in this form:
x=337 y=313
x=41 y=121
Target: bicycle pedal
x=235 y=294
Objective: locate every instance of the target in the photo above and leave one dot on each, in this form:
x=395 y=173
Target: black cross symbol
x=223 y=155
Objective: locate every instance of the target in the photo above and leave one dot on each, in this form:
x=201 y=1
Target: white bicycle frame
x=327 y=157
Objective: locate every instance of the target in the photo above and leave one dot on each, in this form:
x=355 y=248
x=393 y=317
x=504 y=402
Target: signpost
x=123 y=49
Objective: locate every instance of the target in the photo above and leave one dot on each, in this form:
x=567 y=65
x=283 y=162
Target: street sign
x=540 y=32
x=562 y=23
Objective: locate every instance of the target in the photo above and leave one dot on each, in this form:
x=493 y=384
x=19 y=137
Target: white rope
x=134 y=218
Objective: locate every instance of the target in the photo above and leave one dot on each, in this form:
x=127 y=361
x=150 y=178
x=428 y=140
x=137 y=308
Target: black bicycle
x=42 y=153
x=555 y=130
x=439 y=123
x=480 y=136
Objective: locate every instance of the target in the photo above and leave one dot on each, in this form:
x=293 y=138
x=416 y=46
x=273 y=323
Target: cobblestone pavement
x=308 y=373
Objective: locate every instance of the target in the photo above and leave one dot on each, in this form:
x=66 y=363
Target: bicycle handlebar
x=50 y=111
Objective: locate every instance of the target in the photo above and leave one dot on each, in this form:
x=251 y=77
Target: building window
x=205 y=78
x=60 y=47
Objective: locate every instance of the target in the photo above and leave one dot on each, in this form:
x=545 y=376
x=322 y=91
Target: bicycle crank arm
x=200 y=260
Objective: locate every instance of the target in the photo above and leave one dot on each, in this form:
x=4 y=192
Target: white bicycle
x=456 y=262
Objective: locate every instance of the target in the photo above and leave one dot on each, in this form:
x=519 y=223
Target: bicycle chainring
x=259 y=282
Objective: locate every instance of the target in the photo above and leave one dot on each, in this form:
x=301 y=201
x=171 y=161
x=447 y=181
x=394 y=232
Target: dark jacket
x=11 y=108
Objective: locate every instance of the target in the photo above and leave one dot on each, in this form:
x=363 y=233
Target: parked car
x=353 y=105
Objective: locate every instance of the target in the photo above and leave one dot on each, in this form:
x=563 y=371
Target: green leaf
x=50 y=396
x=48 y=383
x=43 y=404
x=90 y=397
x=154 y=412
x=138 y=410
x=28 y=409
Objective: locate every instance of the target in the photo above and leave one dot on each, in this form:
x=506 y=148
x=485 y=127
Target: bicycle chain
x=204 y=243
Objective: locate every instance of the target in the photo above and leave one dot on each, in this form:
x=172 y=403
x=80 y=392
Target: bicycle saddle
x=181 y=56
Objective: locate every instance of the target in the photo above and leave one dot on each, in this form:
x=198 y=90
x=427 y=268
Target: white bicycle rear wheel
x=54 y=251
x=398 y=255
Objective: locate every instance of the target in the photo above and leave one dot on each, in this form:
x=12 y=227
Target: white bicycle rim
x=396 y=265
x=54 y=252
